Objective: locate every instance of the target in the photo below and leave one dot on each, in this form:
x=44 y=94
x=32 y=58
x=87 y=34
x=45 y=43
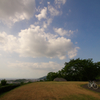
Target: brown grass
x=50 y=91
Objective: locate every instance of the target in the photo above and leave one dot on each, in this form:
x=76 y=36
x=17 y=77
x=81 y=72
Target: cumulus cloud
x=12 y=11
x=42 y=14
x=63 y=32
x=34 y=42
x=53 y=11
x=50 y=66
x=8 y=42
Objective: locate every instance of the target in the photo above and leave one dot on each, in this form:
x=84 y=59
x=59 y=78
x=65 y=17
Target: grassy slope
x=51 y=91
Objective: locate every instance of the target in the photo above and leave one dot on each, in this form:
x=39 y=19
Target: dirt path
x=96 y=90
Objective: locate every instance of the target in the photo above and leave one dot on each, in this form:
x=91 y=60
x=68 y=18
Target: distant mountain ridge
x=43 y=78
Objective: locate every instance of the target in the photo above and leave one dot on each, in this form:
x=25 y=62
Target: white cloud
x=47 y=23
x=63 y=32
x=40 y=2
x=44 y=25
x=53 y=11
x=42 y=14
x=8 y=42
x=50 y=66
x=38 y=9
x=34 y=42
x=59 y=2
x=36 y=23
x=12 y=11
x=48 y=3
x=73 y=52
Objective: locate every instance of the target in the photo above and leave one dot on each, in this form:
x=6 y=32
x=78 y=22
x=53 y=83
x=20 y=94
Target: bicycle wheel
x=89 y=85
x=95 y=86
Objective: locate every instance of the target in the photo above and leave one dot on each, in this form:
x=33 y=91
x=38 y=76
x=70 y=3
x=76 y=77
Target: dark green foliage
x=22 y=83
x=41 y=80
x=78 y=70
x=51 y=76
x=8 y=87
x=3 y=82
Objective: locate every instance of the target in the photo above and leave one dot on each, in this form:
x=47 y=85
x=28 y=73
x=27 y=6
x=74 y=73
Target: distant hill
x=43 y=78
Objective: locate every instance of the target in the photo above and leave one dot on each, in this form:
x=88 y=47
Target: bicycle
x=93 y=85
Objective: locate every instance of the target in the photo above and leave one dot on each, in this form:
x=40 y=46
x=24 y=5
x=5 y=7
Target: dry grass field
x=51 y=91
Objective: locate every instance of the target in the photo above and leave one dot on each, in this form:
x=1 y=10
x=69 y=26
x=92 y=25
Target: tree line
x=77 y=70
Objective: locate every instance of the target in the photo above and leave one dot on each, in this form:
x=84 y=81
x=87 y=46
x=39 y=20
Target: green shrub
x=3 y=82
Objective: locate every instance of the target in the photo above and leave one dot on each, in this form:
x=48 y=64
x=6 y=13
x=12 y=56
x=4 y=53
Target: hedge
x=8 y=87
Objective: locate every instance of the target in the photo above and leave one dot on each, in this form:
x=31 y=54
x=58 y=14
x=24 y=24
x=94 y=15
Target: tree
x=3 y=82
x=97 y=64
x=78 y=70
x=51 y=76
x=81 y=70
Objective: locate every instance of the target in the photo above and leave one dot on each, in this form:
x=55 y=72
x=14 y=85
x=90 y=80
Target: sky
x=39 y=36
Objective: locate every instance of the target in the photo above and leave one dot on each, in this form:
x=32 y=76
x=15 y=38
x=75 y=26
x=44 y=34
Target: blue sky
x=39 y=36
